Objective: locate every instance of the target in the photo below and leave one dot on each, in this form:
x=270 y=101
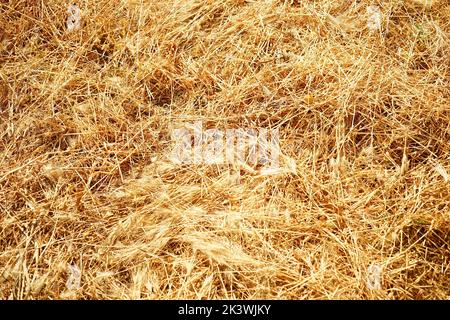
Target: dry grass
x=85 y=122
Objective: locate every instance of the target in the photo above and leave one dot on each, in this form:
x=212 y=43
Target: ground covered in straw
x=88 y=192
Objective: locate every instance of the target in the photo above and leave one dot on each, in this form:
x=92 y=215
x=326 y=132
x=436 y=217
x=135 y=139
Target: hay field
x=92 y=207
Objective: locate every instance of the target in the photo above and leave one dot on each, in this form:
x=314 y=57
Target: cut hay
x=91 y=207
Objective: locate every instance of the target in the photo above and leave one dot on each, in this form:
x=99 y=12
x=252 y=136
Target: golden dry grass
x=85 y=123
